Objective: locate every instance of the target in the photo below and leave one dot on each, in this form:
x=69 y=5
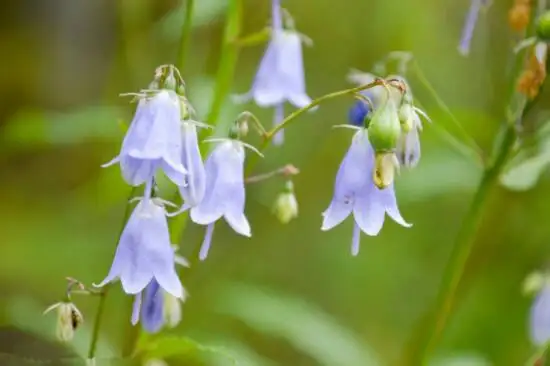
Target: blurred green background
x=291 y=295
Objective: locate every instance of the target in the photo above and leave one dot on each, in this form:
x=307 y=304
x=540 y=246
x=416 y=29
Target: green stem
x=185 y=34
x=105 y=290
x=228 y=60
x=429 y=329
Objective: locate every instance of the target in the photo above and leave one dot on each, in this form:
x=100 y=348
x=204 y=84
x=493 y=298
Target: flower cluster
x=387 y=137
x=163 y=138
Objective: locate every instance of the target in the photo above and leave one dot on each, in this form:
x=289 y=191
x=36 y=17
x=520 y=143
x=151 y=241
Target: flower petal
x=193 y=193
x=152 y=318
x=205 y=246
x=369 y=212
x=540 y=318
x=136 y=308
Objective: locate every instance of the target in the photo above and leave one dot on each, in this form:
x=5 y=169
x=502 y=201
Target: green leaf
x=524 y=170
x=461 y=360
x=306 y=327
x=171 y=346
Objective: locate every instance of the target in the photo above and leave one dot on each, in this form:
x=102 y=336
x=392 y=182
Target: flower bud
x=543 y=26
x=533 y=283
x=172 y=310
x=406 y=117
x=286 y=205
x=384 y=128
x=385 y=166
x=68 y=320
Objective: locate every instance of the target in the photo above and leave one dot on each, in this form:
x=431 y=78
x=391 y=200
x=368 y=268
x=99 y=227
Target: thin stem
x=286 y=171
x=185 y=34
x=104 y=291
x=428 y=331
x=228 y=61
x=424 y=80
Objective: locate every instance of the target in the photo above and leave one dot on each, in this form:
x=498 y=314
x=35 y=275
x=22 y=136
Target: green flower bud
x=68 y=320
x=543 y=26
x=172 y=309
x=384 y=127
x=406 y=117
x=385 y=166
x=286 y=205
x=533 y=283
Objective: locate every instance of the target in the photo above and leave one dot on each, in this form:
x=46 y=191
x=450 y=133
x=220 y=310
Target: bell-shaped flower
x=153 y=141
x=280 y=76
x=355 y=192
x=225 y=192
x=145 y=253
x=540 y=317
x=193 y=191
x=152 y=317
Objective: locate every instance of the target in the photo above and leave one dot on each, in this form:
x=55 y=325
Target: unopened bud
x=384 y=127
x=543 y=26
x=533 y=283
x=406 y=117
x=172 y=309
x=69 y=319
x=386 y=164
x=286 y=205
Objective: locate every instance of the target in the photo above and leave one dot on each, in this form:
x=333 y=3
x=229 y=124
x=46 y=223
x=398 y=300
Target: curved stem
x=185 y=34
x=428 y=331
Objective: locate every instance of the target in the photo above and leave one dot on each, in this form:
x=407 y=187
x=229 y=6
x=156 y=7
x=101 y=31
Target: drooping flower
x=280 y=76
x=540 y=317
x=469 y=25
x=193 y=191
x=355 y=192
x=225 y=192
x=69 y=319
x=152 y=317
x=145 y=253
x=286 y=205
x=153 y=141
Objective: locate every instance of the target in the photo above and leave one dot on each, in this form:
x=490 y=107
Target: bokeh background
x=291 y=295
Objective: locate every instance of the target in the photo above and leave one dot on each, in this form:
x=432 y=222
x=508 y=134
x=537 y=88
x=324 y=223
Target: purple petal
x=193 y=193
x=205 y=246
x=540 y=318
x=291 y=67
x=267 y=88
x=469 y=26
x=369 y=212
x=389 y=200
x=352 y=179
x=152 y=317
x=137 y=171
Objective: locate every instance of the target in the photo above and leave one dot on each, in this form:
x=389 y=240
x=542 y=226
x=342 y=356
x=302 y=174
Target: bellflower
x=225 y=192
x=192 y=192
x=280 y=76
x=144 y=253
x=355 y=192
x=152 y=317
x=469 y=26
x=540 y=317
x=153 y=141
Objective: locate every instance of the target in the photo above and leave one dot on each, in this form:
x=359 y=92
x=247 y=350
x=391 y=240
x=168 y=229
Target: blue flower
x=280 y=76
x=540 y=317
x=144 y=252
x=355 y=192
x=193 y=192
x=225 y=192
x=153 y=141
x=152 y=316
x=469 y=25
x=358 y=112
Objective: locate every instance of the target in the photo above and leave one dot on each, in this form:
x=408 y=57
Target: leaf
x=524 y=170
x=171 y=346
x=461 y=360
x=303 y=325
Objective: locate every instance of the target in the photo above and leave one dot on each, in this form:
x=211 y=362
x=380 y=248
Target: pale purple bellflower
x=144 y=253
x=470 y=24
x=152 y=308
x=153 y=141
x=193 y=191
x=355 y=192
x=540 y=317
x=225 y=192
x=280 y=76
